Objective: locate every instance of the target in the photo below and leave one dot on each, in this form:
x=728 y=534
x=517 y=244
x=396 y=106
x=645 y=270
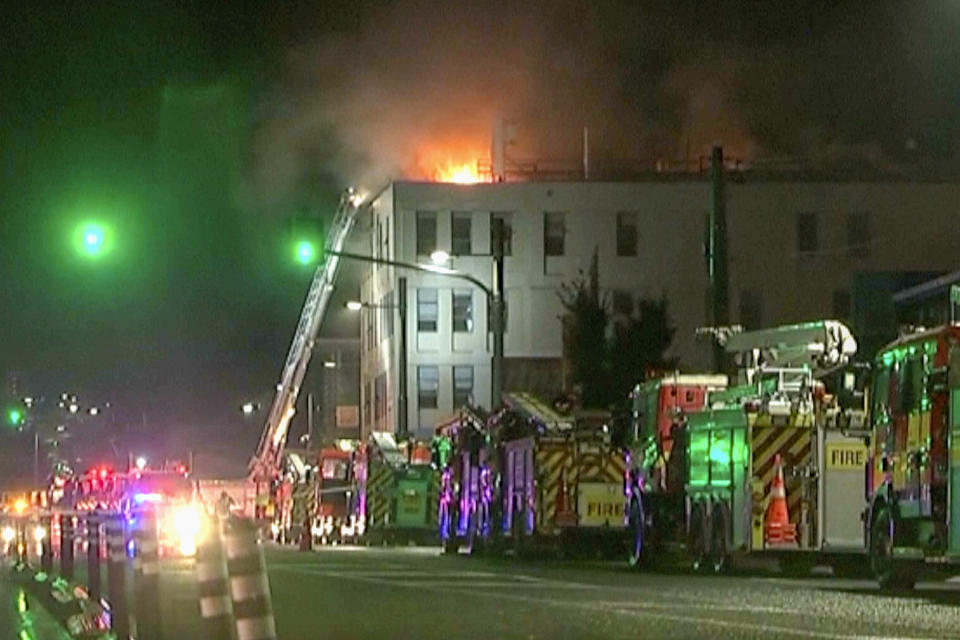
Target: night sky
x=197 y=130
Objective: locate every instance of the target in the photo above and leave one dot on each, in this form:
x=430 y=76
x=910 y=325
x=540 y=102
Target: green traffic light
x=305 y=252
x=93 y=239
x=15 y=416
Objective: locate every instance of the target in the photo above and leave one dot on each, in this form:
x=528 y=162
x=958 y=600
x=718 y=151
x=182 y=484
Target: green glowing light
x=15 y=416
x=305 y=252
x=93 y=239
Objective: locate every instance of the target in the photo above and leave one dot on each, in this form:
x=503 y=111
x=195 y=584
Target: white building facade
x=793 y=245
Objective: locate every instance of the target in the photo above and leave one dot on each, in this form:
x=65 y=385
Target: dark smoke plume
x=409 y=81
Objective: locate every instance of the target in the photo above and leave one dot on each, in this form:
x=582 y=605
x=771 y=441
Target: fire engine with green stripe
x=396 y=491
x=773 y=464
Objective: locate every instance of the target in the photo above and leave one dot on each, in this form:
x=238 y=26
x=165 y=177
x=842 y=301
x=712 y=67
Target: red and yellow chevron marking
x=793 y=443
x=379 y=482
x=553 y=464
x=601 y=465
x=433 y=497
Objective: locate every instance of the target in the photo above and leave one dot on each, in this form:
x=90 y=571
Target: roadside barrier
x=233 y=588
x=213 y=584
x=66 y=546
x=46 y=545
x=249 y=585
x=117 y=575
x=146 y=577
x=93 y=555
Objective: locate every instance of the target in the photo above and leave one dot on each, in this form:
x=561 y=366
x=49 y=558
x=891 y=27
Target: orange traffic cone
x=777 y=526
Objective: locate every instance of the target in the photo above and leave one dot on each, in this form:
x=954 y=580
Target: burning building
x=796 y=240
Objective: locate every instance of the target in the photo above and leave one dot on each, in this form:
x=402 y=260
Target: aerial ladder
x=266 y=466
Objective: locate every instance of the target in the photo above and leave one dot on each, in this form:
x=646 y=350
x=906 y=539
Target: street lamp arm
x=443 y=271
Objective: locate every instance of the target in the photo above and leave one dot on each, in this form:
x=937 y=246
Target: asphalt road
x=345 y=593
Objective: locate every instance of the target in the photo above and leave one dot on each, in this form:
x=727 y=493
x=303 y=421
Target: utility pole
x=497 y=315
x=402 y=426
x=717 y=253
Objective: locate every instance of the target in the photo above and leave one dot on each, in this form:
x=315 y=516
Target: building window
x=507 y=219
x=370 y=314
x=841 y=304
x=427 y=310
x=428 y=386
x=386 y=317
x=367 y=397
x=380 y=397
x=807 y=232
x=554 y=230
x=426 y=232
x=858 y=234
x=622 y=302
x=627 y=237
x=462 y=386
x=460 y=233
x=751 y=309
x=463 y=311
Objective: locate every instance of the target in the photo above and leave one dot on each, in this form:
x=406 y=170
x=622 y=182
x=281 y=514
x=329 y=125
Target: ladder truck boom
x=267 y=462
x=821 y=346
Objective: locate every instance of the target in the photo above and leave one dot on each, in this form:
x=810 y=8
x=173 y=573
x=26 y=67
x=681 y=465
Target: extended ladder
x=267 y=462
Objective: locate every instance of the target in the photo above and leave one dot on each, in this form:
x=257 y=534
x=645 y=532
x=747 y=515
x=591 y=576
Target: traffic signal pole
x=719 y=315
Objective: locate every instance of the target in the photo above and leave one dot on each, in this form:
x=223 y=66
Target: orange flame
x=459 y=174
x=454 y=162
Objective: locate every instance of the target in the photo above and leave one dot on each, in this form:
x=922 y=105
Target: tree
x=584 y=335
x=604 y=365
x=639 y=343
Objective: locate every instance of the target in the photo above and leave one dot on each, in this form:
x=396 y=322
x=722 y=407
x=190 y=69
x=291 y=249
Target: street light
x=439 y=257
x=494 y=293
x=354 y=305
x=141 y=463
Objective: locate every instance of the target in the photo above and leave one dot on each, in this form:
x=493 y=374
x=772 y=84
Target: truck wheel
x=719 y=549
x=635 y=530
x=887 y=571
x=698 y=536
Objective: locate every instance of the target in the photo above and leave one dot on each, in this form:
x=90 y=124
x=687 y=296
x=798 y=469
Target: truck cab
x=914 y=475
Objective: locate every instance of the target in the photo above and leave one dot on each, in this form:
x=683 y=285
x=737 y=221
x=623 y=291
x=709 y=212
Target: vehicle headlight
x=9 y=534
x=39 y=534
x=186 y=523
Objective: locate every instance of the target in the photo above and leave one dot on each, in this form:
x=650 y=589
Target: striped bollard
x=117 y=576
x=46 y=545
x=146 y=577
x=93 y=555
x=66 y=546
x=213 y=584
x=249 y=585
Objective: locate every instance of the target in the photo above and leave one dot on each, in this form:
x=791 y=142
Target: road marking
x=637 y=610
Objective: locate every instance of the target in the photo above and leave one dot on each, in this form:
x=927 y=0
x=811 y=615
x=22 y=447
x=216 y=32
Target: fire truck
x=463 y=451
x=168 y=493
x=914 y=467
x=773 y=464
x=533 y=477
x=397 y=488
x=336 y=514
